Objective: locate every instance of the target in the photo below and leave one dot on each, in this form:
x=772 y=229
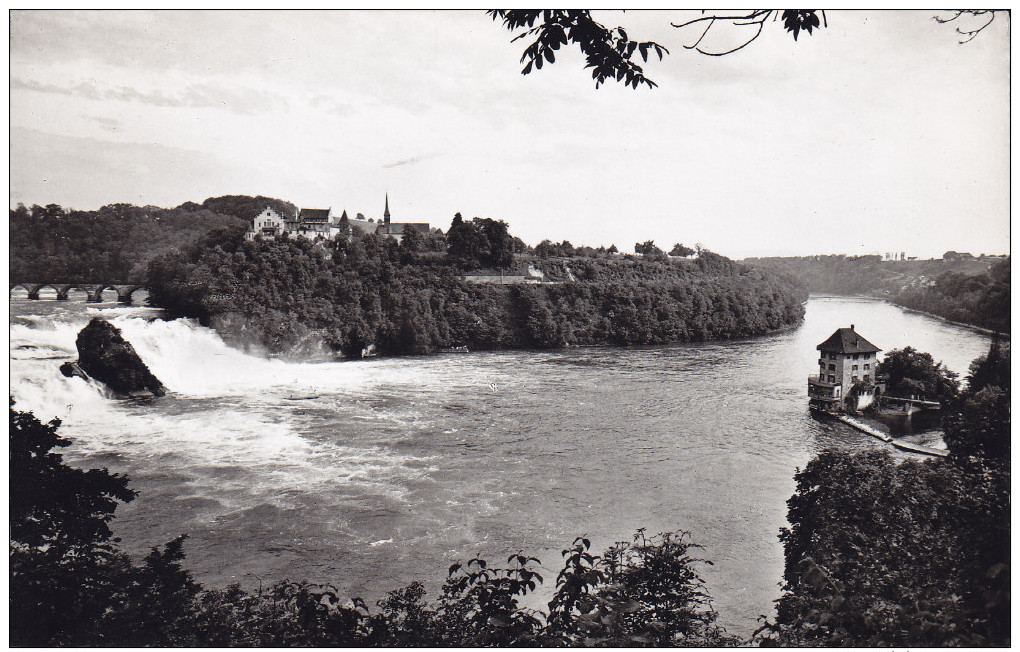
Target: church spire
x=386 y=213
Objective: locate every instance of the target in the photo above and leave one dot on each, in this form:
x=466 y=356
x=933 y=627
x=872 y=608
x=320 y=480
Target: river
x=371 y=474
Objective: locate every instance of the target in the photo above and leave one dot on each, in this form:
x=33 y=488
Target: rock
x=71 y=369
x=105 y=355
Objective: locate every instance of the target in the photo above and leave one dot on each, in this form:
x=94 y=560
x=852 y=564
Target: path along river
x=374 y=473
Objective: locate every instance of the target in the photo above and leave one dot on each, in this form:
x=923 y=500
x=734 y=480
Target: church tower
x=386 y=213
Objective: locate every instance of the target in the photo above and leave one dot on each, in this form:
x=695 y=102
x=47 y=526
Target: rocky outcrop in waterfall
x=104 y=354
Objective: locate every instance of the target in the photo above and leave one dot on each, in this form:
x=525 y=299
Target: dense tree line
x=881 y=553
x=369 y=290
x=116 y=242
x=979 y=299
x=973 y=291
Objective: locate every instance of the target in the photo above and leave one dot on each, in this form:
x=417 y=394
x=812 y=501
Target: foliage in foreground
x=71 y=586
x=885 y=553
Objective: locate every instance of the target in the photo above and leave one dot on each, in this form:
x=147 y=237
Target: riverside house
x=846 y=373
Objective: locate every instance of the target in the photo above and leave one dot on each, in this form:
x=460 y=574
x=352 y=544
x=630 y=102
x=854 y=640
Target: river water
x=371 y=474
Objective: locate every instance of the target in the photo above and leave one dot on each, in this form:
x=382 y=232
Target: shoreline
x=979 y=329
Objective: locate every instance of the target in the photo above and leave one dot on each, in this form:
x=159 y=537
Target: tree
x=412 y=241
x=61 y=544
x=680 y=250
x=499 y=244
x=609 y=52
x=881 y=553
x=648 y=248
x=978 y=423
x=466 y=244
x=909 y=372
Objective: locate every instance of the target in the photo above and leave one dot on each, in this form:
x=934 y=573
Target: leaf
x=630 y=607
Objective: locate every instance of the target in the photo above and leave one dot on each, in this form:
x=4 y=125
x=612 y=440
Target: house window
x=867 y=356
x=854 y=368
x=832 y=378
x=853 y=379
x=867 y=366
x=855 y=356
x=867 y=377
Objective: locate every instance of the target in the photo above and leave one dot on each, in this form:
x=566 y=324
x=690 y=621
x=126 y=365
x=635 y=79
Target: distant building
x=313 y=223
x=953 y=255
x=847 y=362
x=267 y=224
x=396 y=230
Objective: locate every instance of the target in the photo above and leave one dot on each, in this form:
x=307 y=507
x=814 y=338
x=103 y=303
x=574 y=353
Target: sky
x=879 y=133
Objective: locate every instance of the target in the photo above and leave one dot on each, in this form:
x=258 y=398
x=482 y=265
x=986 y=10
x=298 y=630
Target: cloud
x=331 y=105
x=406 y=161
x=245 y=101
x=110 y=124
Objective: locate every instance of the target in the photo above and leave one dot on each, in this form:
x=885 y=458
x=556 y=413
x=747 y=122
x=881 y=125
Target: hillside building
x=314 y=223
x=847 y=368
x=396 y=230
x=267 y=224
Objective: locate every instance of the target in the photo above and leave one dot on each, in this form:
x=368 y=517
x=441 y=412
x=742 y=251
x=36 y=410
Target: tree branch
x=969 y=34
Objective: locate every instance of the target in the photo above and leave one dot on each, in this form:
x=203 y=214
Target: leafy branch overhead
x=608 y=52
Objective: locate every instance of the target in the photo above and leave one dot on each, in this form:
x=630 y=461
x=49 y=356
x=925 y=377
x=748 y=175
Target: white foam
x=252 y=427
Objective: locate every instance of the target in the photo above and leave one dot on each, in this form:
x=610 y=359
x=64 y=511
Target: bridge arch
x=96 y=296
x=23 y=286
x=125 y=292
x=63 y=292
x=33 y=292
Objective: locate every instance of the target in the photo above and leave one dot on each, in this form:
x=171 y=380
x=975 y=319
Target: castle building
x=313 y=223
x=846 y=372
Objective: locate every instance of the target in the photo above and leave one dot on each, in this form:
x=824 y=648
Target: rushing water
x=374 y=473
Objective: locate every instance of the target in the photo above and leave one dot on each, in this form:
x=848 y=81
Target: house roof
x=396 y=228
x=363 y=225
x=314 y=215
x=846 y=340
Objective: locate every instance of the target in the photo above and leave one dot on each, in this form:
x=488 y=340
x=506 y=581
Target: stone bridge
x=93 y=290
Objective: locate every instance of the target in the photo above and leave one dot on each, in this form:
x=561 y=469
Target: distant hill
x=116 y=242
x=972 y=291
x=246 y=208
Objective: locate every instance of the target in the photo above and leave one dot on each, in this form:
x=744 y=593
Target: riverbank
x=877 y=430
x=972 y=327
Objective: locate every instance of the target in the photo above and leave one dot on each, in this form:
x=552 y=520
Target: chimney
x=851 y=326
